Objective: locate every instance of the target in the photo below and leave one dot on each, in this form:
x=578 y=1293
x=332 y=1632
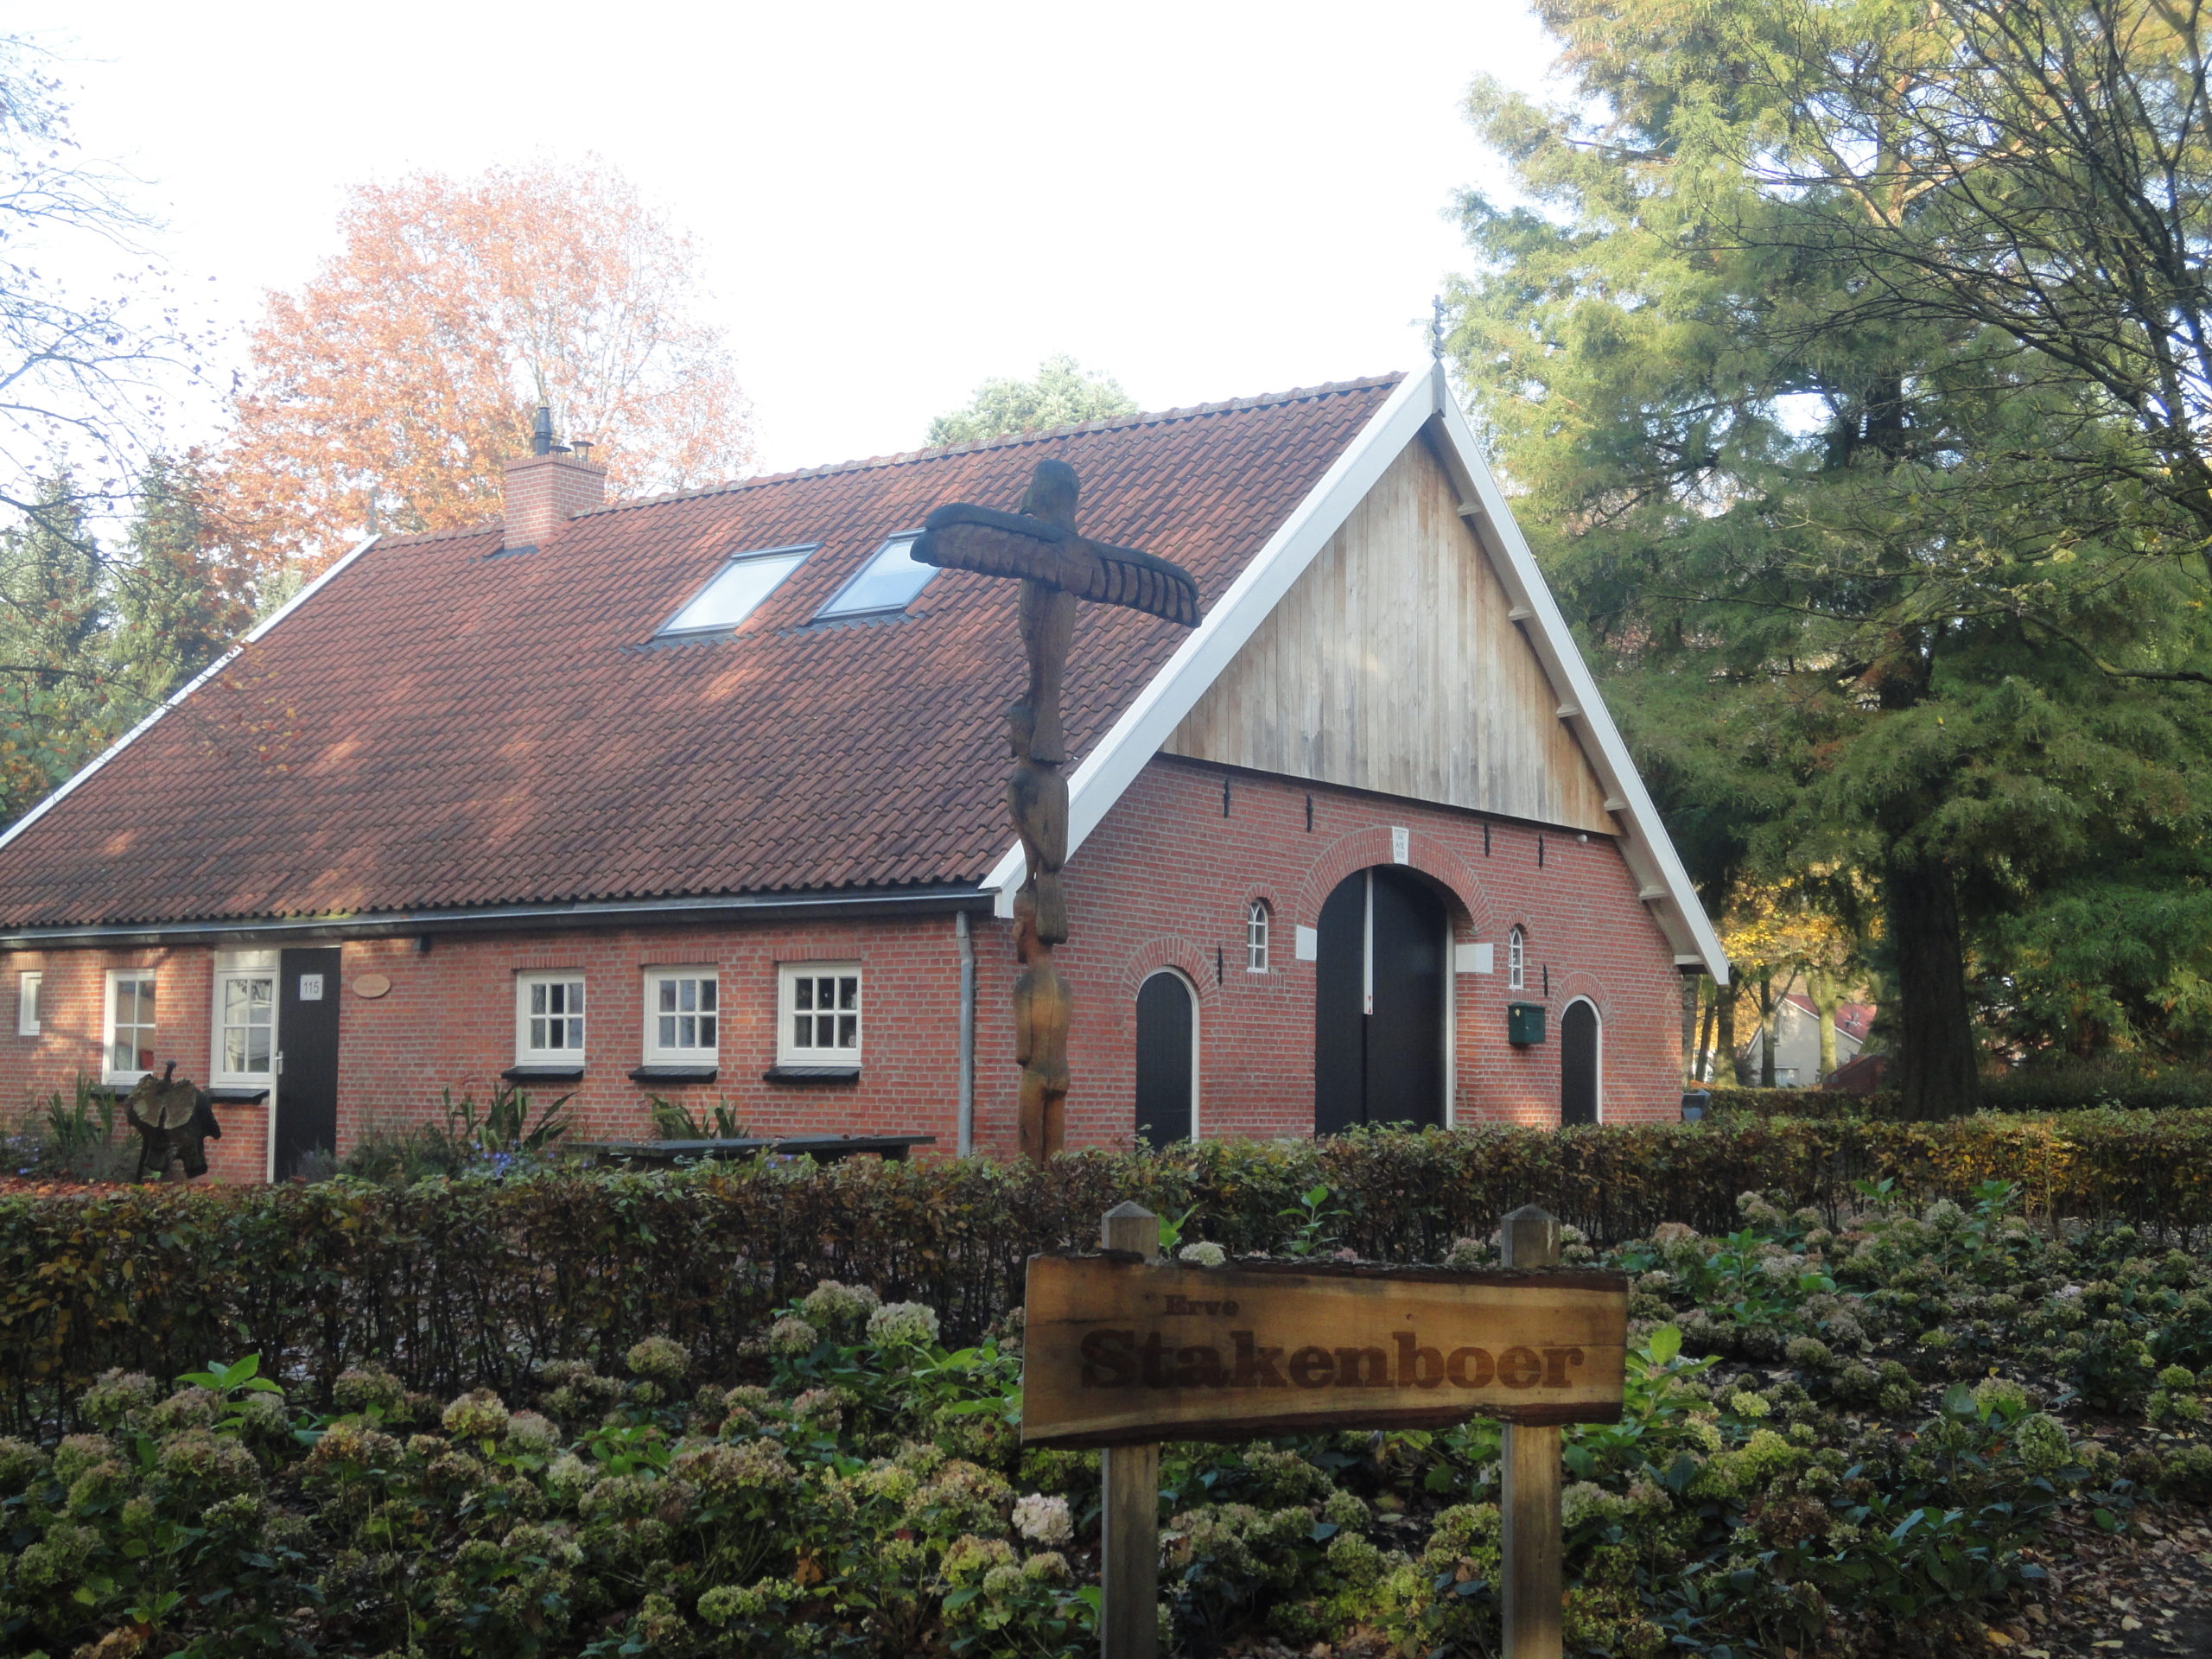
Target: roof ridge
x=1011 y=441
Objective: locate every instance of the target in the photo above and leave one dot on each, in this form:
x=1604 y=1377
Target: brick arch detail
x=1575 y=983
x=1361 y=848
x=1168 y=951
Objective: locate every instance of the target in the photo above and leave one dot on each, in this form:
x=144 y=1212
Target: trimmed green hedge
x=2038 y=1090
x=473 y=1282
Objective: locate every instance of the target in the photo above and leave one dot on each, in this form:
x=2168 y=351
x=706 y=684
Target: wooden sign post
x=1123 y=1350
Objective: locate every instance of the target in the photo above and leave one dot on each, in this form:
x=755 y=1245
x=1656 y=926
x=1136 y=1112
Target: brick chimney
x=548 y=487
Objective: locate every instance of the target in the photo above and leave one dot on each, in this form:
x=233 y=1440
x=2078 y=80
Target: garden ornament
x=175 y=1118
x=1056 y=567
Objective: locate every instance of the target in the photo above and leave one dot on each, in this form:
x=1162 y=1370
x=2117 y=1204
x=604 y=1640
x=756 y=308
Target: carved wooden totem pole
x=1056 y=567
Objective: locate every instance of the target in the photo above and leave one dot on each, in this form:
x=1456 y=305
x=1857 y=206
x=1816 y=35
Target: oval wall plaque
x=372 y=986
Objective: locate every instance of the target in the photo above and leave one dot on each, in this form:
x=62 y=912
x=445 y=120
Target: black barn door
x=1578 y=1064
x=307 y=1056
x=1405 y=1027
x=1164 y=1025
x=1379 y=1010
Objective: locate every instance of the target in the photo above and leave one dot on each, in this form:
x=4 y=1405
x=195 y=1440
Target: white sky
x=1205 y=199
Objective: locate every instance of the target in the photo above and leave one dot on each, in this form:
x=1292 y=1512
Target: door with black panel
x=1405 y=1018
x=1167 y=1053
x=307 y=1056
x=1379 y=1009
x=1578 y=1064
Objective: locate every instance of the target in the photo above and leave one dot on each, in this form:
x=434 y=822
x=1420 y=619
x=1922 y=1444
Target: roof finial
x=1436 y=329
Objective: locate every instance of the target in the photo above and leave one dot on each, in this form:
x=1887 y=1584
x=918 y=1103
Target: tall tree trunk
x=1727 y=1045
x=1704 y=1067
x=1934 y=1071
x=1826 y=992
x=1770 y=1029
x=1690 y=996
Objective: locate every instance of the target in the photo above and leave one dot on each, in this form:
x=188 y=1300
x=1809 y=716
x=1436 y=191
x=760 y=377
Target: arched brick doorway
x=1381 y=984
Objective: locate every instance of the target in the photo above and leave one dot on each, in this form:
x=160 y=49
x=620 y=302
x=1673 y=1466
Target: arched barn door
x=1379 y=1008
x=1578 y=1064
x=1167 y=1046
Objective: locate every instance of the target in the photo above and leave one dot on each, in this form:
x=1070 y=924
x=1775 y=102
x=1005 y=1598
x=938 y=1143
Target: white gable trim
x=1108 y=770
x=181 y=693
x=1644 y=843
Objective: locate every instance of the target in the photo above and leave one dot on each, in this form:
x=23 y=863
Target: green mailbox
x=1525 y=1024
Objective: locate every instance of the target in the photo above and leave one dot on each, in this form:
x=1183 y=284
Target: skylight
x=888 y=581
x=736 y=591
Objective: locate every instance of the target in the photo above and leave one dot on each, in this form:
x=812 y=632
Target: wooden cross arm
x=963 y=537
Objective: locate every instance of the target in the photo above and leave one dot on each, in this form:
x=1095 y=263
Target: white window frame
x=30 y=985
x=1517 y=960
x=835 y=608
x=789 y=975
x=230 y=969
x=698 y=1054
x=109 y=1073
x=789 y=557
x=1257 y=928
x=562 y=1054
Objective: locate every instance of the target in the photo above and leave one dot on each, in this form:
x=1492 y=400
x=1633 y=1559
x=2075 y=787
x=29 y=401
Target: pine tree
x=1889 y=568
x=58 y=706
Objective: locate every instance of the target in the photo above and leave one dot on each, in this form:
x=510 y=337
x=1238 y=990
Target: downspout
x=967 y=1143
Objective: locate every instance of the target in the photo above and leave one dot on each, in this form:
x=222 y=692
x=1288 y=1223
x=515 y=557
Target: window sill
x=662 y=1072
x=238 y=1093
x=816 y=1075
x=549 y=1073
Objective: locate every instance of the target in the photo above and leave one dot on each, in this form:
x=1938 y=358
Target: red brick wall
x=1163 y=881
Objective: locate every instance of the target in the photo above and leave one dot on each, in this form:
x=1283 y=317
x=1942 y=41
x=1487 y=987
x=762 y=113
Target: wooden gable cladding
x=1393 y=665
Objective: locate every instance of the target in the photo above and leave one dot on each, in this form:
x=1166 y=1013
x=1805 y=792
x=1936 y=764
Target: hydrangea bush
x=1844 y=1440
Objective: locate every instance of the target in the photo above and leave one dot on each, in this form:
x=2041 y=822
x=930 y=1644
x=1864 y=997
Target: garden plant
x=1852 y=1430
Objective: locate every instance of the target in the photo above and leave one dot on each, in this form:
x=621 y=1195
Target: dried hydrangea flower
x=1205 y=1253
x=898 y=1322
x=1045 y=1520
x=792 y=1335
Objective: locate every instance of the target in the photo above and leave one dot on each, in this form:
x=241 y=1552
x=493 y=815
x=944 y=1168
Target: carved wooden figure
x=1056 y=567
x=174 y=1119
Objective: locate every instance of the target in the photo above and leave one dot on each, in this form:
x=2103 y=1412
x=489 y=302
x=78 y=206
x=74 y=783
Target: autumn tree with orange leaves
x=389 y=389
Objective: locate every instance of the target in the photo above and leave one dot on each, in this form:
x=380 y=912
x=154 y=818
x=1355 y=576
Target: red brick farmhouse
x=701 y=798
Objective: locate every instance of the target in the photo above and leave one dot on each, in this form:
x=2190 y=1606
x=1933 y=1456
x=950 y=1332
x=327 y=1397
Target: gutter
x=967 y=1143
x=385 y=924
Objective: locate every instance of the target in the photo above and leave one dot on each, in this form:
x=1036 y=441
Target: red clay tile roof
x=438 y=727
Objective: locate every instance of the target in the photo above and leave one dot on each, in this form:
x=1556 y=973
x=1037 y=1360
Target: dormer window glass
x=888 y=581
x=735 y=591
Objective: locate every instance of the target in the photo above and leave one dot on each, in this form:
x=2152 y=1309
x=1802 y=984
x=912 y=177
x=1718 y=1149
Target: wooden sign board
x=1117 y=1350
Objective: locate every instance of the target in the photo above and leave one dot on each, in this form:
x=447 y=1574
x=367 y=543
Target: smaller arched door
x=1579 y=1062
x=1167 y=1059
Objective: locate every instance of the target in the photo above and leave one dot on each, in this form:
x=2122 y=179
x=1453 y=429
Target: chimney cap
x=541 y=434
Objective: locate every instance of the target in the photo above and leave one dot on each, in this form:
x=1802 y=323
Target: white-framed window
x=890 y=580
x=819 y=1014
x=127 y=1037
x=29 y=987
x=1517 y=960
x=549 y=1018
x=245 y=1021
x=682 y=1015
x=1256 y=937
x=735 y=591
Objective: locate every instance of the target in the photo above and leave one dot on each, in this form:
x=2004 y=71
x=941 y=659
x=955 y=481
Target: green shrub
x=77 y=1135
x=2059 y=1087
x=476 y=1279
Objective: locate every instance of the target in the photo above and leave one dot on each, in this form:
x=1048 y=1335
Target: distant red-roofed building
x=701 y=798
